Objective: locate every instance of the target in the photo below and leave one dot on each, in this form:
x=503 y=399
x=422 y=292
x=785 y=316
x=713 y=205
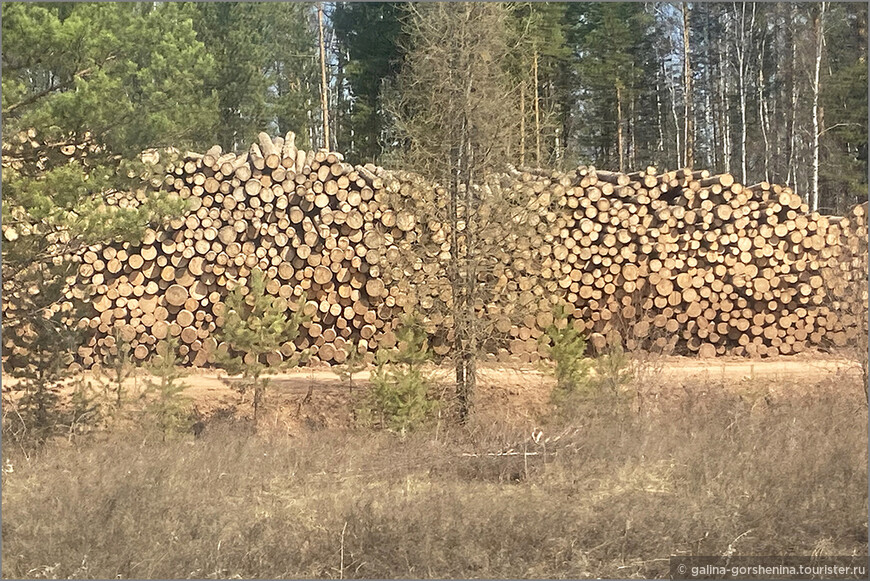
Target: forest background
x=768 y=92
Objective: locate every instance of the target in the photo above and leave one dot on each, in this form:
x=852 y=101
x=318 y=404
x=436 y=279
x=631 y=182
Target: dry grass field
x=756 y=458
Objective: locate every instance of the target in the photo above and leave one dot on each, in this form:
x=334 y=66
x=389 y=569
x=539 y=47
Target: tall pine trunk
x=620 y=138
x=324 y=90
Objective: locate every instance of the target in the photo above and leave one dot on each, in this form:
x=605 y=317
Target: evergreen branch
x=56 y=87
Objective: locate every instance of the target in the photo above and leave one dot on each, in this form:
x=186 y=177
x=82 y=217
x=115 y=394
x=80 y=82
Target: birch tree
x=819 y=37
x=687 y=91
x=742 y=45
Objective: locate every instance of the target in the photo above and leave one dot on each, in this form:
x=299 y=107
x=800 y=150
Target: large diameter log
x=176 y=295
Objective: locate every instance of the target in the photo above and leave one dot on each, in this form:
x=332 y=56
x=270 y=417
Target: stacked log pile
x=696 y=263
x=316 y=225
x=681 y=261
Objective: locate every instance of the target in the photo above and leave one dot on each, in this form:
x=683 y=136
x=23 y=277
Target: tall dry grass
x=610 y=494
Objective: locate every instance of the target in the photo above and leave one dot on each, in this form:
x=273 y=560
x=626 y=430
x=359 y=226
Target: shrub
x=86 y=408
x=353 y=364
x=614 y=371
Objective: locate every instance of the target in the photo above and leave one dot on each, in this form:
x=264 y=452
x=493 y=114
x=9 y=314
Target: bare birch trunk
x=632 y=158
x=339 y=100
x=791 y=174
x=660 y=146
x=818 y=28
x=710 y=127
x=673 y=92
x=557 y=144
x=762 y=118
x=726 y=108
x=745 y=40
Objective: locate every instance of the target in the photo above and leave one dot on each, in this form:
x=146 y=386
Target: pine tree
x=843 y=173
x=256 y=324
x=265 y=78
x=291 y=70
x=167 y=407
x=611 y=42
x=399 y=395
x=40 y=358
x=231 y=32
x=119 y=366
x=540 y=61
x=130 y=74
x=86 y=87
x=568 y=352
x=370 y=34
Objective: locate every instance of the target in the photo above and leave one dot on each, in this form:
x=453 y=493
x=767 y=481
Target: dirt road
x=315 y=397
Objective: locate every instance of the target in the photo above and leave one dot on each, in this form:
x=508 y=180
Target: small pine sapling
x=42 y=363
x=353 y=364
x=614 y=371
x=568 y=352
x=399 y=395
x=256 y=324
x=86 y=407
x=167 y=407
x=120 y=366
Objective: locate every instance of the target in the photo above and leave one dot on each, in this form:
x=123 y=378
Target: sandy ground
x=315 y=398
